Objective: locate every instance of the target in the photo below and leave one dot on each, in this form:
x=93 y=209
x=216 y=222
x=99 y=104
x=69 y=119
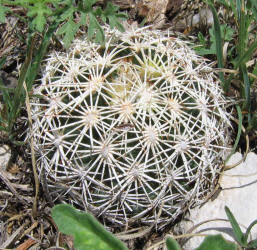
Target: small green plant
x=88 y=233
x=242 y=46
x=44 y=18
x=211 y=242
x=217 y=242
x=242 y=238
x=208 y=47
x=41 y=13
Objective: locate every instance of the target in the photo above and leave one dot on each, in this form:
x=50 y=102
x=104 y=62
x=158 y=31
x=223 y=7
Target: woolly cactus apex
x=131 y=129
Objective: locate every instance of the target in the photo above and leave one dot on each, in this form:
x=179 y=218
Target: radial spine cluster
x=133 y=131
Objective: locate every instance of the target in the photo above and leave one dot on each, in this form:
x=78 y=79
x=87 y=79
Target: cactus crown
x=126 y=129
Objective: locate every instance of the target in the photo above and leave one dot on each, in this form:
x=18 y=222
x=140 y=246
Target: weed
x=235 y=48
x=88 y=233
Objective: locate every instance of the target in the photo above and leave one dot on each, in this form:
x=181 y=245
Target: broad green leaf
x=228 y=33
x=236 y=229
x=216 y=242
x=172 y=244
x=88 y=233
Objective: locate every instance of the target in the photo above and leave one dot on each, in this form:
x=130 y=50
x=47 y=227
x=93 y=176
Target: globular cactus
x=133 y=131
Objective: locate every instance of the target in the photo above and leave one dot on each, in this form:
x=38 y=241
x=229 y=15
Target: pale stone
x=239 y=186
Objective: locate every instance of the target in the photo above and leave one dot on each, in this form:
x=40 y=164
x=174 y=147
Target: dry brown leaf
x=27 y=231
x=14 y=169
x=154 y=11
x=25 y=245
x=10 y=227
x=66 y=240
x=11 y=239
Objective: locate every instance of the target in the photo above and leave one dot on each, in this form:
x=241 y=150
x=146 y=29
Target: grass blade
x=18 y=98
x=248 y=231
x=238 y=9
x=40 y=53
x=219 y=44
x=239 y=131
x=246 y=91
x=2 y=62
x=236 y=229
x=246 y=56
x=252 y=243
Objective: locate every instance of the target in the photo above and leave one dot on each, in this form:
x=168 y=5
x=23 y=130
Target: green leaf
x=39 y=11
x=68 y=13
x=3 y=11
x=202 y=51
x=245 y=237
x=202 y=39
x=252 y=243
x=88 y=4
x=2 y=61
x=216 y=242
x=228 y=33
x=69 y=30
x=111 y=13
x=172 y=244
x=247 y=55
x=219 y=44
x=95 y=26
x=7 y=100
x=239 y=131
x=39 y=55
x=114 y=22
x=236 y=229
x=88 y=233
x=246 y=81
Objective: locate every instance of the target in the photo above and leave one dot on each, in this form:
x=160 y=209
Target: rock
x=239 y=187
x=5 y=156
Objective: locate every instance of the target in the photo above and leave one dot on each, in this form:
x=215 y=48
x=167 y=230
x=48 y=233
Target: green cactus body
x=130 y=128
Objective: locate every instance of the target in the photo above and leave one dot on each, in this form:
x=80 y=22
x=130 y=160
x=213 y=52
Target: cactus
x=133 y=131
